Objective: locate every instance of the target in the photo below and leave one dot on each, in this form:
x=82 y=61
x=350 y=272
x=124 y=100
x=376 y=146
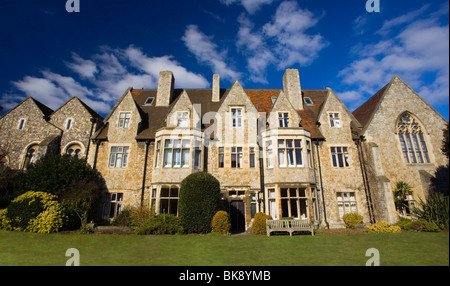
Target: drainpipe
x=321 y=185
x=315 y=179
x=147 y=143
x=365 y=181
x=261 y=178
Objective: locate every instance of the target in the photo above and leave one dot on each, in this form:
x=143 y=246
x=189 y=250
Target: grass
x=402 y=249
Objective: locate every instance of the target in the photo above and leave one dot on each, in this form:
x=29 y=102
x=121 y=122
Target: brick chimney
x=292 y=89
x=216 y=88
x=164 y=93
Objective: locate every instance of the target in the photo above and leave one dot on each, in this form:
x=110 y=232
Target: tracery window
x=412 y=140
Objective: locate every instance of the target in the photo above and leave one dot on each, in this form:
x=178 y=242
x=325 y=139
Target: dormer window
x=149 y=101
x=308 y=101
x=124 y=119
x=283 y=119
x=182 y=119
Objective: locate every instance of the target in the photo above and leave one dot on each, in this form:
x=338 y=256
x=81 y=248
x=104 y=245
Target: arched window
x=412 y=140
x=74 y=150
x=30 y=157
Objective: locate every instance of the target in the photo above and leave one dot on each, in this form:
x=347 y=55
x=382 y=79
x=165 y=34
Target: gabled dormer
x=124 y=119
x=283 y=114
x=181 y=115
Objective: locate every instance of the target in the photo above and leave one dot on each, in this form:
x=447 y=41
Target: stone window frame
x=292 y=149
x=170 y=198
x=296 y=200
x=334 y=119
x=72 y=144
x=411 y=136
x=29 y=156
x=21 y=124
x=172 y=149
x=238 y=152
x=115 y=204
x=125 y=154
x=221 y=157
x=344 y=198
x=345 y=157
x=237 y=117
x=283 y=119
x=124 y=121
x=182 y=119
x=269 y=154
x=68 y=123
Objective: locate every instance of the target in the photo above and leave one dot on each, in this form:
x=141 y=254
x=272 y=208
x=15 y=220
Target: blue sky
x=97 y=53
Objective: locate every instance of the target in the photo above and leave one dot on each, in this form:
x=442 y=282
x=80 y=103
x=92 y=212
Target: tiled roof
x=154 y=117
x=366 y=110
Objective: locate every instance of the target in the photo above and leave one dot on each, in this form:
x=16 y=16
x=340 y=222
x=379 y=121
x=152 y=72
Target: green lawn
x=20 y=248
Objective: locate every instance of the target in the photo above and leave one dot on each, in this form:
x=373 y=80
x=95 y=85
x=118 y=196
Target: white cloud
x=283 y=41
x=85 y=68
x=206 y=51
x=251 y=6
x=417 y=50
x=103 y=78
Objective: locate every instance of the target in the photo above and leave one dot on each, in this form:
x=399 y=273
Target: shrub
x=221 y=222
x=383 y=226
x=132 y=216
x=161 y=224
x=198 y=202
x=259 y=223
x=34 y=212
x=403 y=223
x=352 y=219
x=423 y=226
x=435 y=209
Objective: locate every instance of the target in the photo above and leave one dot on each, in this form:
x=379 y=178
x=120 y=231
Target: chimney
x=216 y=88
x=164 y=93
x=292 y=89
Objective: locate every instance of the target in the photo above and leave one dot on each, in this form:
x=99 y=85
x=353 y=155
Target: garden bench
x=289 y=226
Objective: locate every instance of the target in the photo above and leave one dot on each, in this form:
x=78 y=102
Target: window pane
x=298 y=157
x=284 y=193
x=112 y=160
x=290 y=157
x=119 y=160
x=174 y=192
x=302 y=192
x=252 y=160
x=294 y=209
x=417 y=148
x=125 y=160
x=186 y=144
x=197 y=159
x=285 y=208
x=303 y=208
x=176 y=157
x=281 y=159
x=293 y=192
x=403 y=145
x=164 y=192
x=168 y=143
x=176 y=143
x=173 y=207
x=424 y=147
x=185 y=158
x=233 y=161
x=168 y=158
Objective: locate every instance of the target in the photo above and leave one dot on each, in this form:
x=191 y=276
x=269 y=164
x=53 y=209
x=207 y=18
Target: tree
x=199 y=202
x=401 y=193
x=55 y=173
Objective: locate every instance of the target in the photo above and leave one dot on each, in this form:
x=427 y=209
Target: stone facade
x=289 y=152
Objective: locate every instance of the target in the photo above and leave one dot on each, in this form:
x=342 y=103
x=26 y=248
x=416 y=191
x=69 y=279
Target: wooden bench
x=289 y=226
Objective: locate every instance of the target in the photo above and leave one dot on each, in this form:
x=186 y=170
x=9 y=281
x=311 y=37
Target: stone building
x=289 y=152
x=31 y=130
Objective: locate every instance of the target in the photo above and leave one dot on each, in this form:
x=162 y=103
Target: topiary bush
x=161 y=224
x=33 y=212
x=383 y=226
x=259 y=223
x=198 y=202
x=352 y=219
x=221 y=223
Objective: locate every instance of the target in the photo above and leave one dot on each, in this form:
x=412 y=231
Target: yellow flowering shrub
x=383 y=226
x=33 y=212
